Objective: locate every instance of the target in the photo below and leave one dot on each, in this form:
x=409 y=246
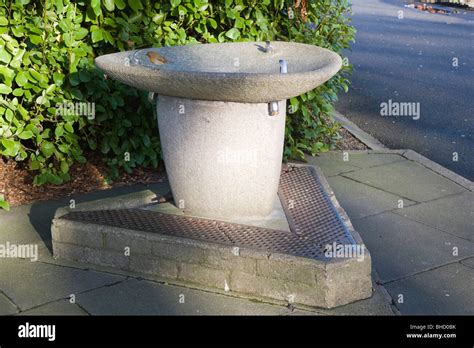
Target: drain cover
x=313 y=220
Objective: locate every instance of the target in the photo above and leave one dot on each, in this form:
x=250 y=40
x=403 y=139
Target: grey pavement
x=62 y=287
x=417 y=225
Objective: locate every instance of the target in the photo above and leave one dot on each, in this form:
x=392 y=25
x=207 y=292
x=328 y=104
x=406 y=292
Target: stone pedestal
x=223 y=159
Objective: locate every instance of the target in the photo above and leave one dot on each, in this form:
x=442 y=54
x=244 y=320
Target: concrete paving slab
x=141 y=297
x=30 y=284
x=378 y=304
x=442 y=291
x=301 y=312
x=61 y=307
x=334 y=163
x=454 y=214
x=468 y=262
x=407 y=179
x=400 y=247
x=16 y=227
x=360 y=200
x=6 y=306
x=331 y=164
x=364 y=160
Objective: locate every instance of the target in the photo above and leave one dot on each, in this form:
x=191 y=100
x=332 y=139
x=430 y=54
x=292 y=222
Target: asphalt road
x=411 y=60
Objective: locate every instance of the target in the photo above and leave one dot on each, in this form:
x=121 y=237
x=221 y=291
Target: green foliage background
x=47 y=49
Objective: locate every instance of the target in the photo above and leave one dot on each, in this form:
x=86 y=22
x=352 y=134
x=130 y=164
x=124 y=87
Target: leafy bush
x=47 y=50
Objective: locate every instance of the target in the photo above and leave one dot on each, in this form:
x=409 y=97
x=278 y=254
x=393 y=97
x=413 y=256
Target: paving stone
x=140 y=297
x=334 y=163
x=363 y=160
x=331 y=164
x=30 y=284
x=378 y=304
x=62 y=307
x=442 y=291
x=6 y=306
x=302 y=312
x=454 y=214
x=407 y=179
x=468 y=262
x=16 y=227
x=400 y=247
x=360 y=200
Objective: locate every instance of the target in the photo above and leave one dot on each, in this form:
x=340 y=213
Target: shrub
x=47 y=50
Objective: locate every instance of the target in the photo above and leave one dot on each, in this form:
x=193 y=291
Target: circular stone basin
x=237 y=72
x=221 y=116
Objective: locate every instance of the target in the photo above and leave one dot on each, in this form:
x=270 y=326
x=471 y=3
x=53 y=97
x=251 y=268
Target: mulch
x=16 y=182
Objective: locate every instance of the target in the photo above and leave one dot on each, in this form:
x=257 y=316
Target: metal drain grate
x=155 y=222
x=313 y=221
x=310 y=212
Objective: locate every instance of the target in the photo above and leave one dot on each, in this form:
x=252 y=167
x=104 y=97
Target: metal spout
x=283 y=66
x=268 y=47
x=273 y=108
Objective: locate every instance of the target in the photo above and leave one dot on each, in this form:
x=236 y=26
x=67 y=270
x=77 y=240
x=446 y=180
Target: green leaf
x=11 y=147
x=4 y=89
x=175 y=3
x=136 y=5
x=120 y=4
x=9 y=115
x=4 y=204
x=212 y=22
x=3 y=21
x=109 y=5
x=146 y=140
x=21 y=78
x=59 y=131
x=63 y=148
x=80 y=33
x=25 y=134
x=18 y=92
x=47 y=149
x=233 y=33
x=58 y=79
x=42 y=100
x=97 y=35
x=35 y=39
x=96 y=7
x=64 y=167
x=36 y=76
x=53 y=179
x=8 y=75
x=4 y=55
x=69 y=127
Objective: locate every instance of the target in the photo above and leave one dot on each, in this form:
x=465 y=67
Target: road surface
x=420 y=58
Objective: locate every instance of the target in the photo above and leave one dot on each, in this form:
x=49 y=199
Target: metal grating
x=309 y=210
x=154 y=222
x=313 y=221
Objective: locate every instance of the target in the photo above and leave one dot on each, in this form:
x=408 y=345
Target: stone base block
x=233 y=266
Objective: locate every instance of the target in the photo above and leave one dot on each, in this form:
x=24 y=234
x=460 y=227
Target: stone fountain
x=221 y=112
x=221 y=116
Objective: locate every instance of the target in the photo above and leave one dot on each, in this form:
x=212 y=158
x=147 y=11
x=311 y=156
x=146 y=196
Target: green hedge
x=47 y=50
